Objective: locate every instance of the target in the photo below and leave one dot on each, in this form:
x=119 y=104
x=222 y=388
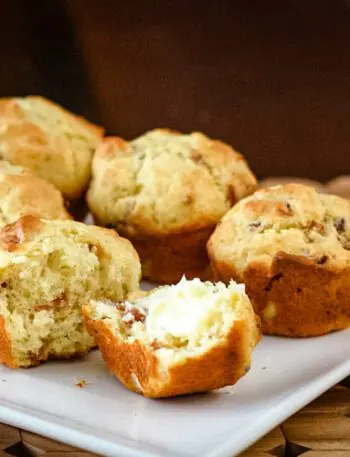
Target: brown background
x=270 y=77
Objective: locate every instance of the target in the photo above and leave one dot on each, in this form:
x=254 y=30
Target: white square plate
x=105 y=418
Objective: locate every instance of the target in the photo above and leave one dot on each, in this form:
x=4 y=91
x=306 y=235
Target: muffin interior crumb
x=41 y=295
x=177 y=320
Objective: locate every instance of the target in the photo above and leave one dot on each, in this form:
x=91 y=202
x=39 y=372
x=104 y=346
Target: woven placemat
x=321 y=429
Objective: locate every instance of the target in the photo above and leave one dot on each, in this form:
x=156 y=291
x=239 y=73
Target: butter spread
x=187 y=308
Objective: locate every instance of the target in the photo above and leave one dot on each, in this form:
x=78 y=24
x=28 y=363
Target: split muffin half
x=48 y=270
x=191 y=337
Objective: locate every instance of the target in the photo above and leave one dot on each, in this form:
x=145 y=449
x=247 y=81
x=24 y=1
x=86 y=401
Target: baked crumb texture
x=291 y=247
x=166 y=191
x=190 y=337
x=40 y=135
x=22 y=193
x=48 y=270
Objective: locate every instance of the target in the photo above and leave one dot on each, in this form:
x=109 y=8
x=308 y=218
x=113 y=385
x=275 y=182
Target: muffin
x=180 y=339
x=340 y=186
x=38 y=134
x=280 y=180
x=165 y=192
x=48 y=270
x=22 y=193
x=290 y=245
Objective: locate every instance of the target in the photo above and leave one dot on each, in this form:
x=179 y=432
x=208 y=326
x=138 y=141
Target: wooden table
x=321 y=429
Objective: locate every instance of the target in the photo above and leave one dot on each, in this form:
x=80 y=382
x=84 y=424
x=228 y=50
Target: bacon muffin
x=165 y=192
x=22 y=193
x=40 y=135
x=181 y=339
x=48 y=270
x=290 y=245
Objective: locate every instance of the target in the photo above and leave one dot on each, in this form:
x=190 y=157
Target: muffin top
x=22 y=192
x=164 y=182
x=292 y=218
x=68 y=247
x=41 y=135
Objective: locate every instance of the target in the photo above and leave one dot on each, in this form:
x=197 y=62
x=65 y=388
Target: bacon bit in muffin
x=196 y=156
x=340 y=225
x=120 y=307
x=10 y=239
x=289 y=208
x=255 y=224
x=189 y=199
x=58 y=302
x=92 y=247
x=44 y=307
x=133 y=315
x=274 y=278
x=346 y=245
x=318 y=227
x=231 y=195
x=96 y=249
x=130 y=313
x=128 y=319
x=139 y=316
x=322 y=260
x=284 y=209
x=155 y=344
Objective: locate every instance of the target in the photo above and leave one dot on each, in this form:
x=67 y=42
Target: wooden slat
x=323 y=425
x=326 y=454
x=45 y=444
x=8 y=436
x=70 y=454
x=334 y=401
x=319 y=432
x=34 y=451
x=272 y=440
x=251 y=452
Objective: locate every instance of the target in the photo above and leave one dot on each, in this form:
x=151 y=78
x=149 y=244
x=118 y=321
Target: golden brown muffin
x=165 y=192
x=48 y=270
x=340 y=186
x=281 y=180
x=22 y=193
x=40 y=135
x=180 y=339
x=291 y=247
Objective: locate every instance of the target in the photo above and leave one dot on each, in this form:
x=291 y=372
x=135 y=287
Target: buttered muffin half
x=22 y=193
x=166 y=191
x=190 y=337
x=48 y=270
x=38 y=134
x=290 y=245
